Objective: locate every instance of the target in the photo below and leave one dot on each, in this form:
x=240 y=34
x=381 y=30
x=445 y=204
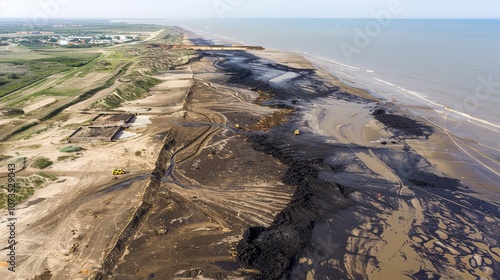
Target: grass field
x=24 y=64
x=16 y=73
x=96 y=26
x=37 y=84
x=136 y=86
x=25 y=187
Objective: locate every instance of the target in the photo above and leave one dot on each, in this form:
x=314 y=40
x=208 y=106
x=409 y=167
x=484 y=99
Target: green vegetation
x=31 y=147
x=4 y=157
x=9 y=112
x=172 y=37
x=48 y=176
x=62 y=94
x=62 y=117
x=12 y=76
x=25 y=187
x=86 y=95
x=158 y=60
x=18 y=160
x=65 y=158
x=102 y=66
x=43 y=129
x=18 y=73
x=22 y=193
x=73 y=126
x=41 y=163
x=135 y=86
x=52 y=92
x=77 y=27
x=19 y=130
x=29 y=133
x=81 y=73
x=26 y=129
x=70 y=149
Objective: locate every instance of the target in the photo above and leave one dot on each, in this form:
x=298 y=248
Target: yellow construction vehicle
x=297 y=132
x=118 y=171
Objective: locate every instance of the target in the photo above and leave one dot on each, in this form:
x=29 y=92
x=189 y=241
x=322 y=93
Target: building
x=103 y=128
x=112 y=120
x=95 y=134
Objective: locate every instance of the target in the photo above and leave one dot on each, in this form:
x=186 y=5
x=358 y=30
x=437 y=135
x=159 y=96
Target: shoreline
x=220 y=186
x=410 y=198
x=482 y=179
x=462 y=149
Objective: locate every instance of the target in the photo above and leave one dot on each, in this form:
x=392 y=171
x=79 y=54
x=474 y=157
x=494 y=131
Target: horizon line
x=212 y=18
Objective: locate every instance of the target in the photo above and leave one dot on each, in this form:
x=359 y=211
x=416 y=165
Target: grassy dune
x=37 y=84
x=18 y=73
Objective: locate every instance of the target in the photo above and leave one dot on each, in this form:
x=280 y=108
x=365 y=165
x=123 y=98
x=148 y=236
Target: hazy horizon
x=212 y=18
x=190 y=9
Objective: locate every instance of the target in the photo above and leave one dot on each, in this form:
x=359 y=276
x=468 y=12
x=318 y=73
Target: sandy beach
x=223 y=188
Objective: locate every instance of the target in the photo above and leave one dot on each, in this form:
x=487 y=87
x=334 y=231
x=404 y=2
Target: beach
x=229 y=190
x=410 y=213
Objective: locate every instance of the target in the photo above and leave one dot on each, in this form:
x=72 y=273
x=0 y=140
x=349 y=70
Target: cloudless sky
x=246 y=8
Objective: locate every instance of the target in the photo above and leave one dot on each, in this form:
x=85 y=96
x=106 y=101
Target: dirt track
x=221 y=202
x=215 y=185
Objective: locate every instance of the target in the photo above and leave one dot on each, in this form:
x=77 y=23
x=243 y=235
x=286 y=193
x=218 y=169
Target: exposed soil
x=406 y=126
x=402 y=178
x=272 y=250
x=235 y=194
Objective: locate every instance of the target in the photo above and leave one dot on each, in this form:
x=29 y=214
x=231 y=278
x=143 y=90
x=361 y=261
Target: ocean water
x=447 y=71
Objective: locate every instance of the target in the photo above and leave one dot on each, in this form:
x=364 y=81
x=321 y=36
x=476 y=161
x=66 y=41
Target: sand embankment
x=236 y=193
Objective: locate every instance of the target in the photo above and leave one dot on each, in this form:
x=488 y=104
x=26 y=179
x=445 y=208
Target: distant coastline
x=473 y=143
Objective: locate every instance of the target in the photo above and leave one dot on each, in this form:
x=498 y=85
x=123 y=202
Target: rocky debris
x=404 y=125
x=161 y=231
x=46 y=275
x=278 y=117
x=73 y=248
x=273 y=250
x=426 y=179
x=377 y=112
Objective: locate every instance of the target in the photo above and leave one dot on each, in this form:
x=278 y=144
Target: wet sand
x=233 y=193
x=409 y=219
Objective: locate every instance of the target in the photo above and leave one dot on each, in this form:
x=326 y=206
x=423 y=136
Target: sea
x=444 y=70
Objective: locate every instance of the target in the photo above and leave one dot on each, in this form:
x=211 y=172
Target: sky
x=46 y=9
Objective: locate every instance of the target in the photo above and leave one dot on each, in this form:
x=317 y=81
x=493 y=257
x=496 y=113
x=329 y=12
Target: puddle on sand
x=124 y=135
x=125 y=184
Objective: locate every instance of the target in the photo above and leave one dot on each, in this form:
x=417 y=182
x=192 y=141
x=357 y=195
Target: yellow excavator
x=118 y=171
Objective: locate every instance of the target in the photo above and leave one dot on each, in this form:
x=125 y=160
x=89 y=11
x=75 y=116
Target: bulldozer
x=118 y=171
